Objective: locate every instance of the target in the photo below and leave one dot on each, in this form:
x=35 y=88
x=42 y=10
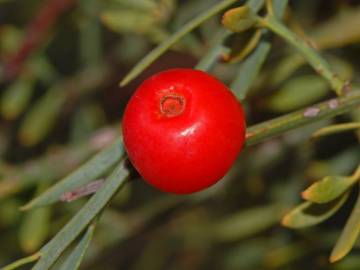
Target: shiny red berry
x=183 y=129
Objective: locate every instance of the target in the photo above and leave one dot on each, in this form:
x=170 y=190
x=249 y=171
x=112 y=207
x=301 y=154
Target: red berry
x=183 y=129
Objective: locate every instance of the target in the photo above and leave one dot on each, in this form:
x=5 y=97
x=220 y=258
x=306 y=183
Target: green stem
x=310 y=54
x=326 y=109
x=22 y=261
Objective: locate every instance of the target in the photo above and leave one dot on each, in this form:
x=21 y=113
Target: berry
x=183 y=129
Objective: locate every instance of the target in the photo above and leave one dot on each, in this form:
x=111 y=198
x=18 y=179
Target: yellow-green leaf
x=349 y=234
x=327 y=189
x=248 y=222
x=298 y=92
x=309 y=214
x=34 y=229
x=340 y=30
x=336 y=129
x=16 y=97
x=42 y=117
x=239 y=19
x=127 y=20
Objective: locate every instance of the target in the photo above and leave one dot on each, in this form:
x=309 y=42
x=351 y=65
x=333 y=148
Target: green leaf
x=336 y=129
x=216 y=50
x=250 y=69
x=349 y=234
x=286 y=67
x=42 y=117
x=309 y=214
x=88 y=172
x=52 y=250
x=248 y=222
x=34 y=229
x=159 y=50
x=16 y=97
x=342 y=29
x=123 y=21
x=239 y=19
x=73 y=261
x=327 y=189
x=298 y=92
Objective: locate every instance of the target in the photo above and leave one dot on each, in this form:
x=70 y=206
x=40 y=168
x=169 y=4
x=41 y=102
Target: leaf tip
x=305 y=194
x=334 y=257
x=123 y=82
x=26 y=207
x=285 y=221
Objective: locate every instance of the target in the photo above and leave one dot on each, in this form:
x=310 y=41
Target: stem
x=22 y=261
x=326 y=109
x=269 y=7
x=310 y=54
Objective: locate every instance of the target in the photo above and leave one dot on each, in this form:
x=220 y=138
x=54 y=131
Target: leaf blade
x=53 y=249
x=348 y=236
x=74 y=260
x=86 y=173
x=298 y=218
x=327 y=189
x=329 y=130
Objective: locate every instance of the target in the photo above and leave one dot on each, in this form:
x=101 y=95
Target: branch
x=312 y=114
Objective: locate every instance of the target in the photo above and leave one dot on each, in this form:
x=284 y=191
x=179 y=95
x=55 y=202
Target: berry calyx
x=172 y=105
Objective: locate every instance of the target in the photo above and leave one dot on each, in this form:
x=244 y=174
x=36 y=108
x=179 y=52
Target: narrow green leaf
x=279 y=7
x=34 y=229
x=336 y=129
x=16 y=97
x=250 y=69
x=348 y=235
x=52 y=250
x=74 y=260
x=328 y=189
x=35 y=226
x=246 y=223
x=216 y=50
x=340 y=30
x=128 y=21
x=286 y=67
x=296 y=93
x=309 y=214
x=88 y=172
x=41 y=118
x=255 y=5
x=159 y=50
x=22 y=262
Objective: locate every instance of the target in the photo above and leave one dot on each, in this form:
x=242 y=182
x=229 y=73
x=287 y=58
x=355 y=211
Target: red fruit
x=183 y=129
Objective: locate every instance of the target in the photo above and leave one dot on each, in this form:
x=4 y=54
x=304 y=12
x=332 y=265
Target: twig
x=326 y=109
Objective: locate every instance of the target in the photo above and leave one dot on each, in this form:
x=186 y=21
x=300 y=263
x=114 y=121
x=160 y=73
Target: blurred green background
x=60 y=103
